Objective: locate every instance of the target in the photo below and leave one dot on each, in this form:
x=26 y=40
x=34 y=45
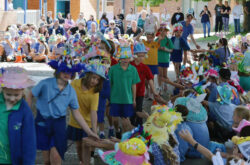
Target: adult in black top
x=119 y=22
x=225 y=16
x=205 y=20
x=218 y=13
x=80 y=28
x=177 y=17
x=135 y=30
x=49 y=18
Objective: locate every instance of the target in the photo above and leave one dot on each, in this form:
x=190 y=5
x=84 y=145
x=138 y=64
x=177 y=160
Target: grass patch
x=215 y=38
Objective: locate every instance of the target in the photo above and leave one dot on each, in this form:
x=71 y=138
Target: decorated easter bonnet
x=196 y=112
x=15 y=78
x=243 y=144
x=94 y=51
x=65 y=64
x=242 y=124
x=212 y=73
x=41 y=38
x=225 y=94
x=130 y=152
x=124 y=52
x=244 y=66
x=178 y=27
x=139 y=48
x=162 y=122
x=95 y=66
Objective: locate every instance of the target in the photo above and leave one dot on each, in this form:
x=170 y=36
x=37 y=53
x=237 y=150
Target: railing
x=32 y=16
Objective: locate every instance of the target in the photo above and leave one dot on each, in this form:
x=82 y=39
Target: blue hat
x=225 y=93
x=95 y=66
x=124 y=52
x=65 y=64
x=139 y=48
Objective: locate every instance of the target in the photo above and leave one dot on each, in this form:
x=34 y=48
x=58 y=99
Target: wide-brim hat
x=122 y=155
x=96 y=67
x=15 y=78
x=196 y=112
x=177 y=27
x=65 y=65
x=225 y=93
x=243 y=144
x=124 y=52
x=212 y=73
x=139 y=48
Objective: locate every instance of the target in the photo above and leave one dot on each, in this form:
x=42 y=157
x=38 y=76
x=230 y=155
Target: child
x=240 y=113
x=144 y=74
x=180 y=44
x=123 y=79
x=42 y=50
x=18 y=141
x=54 y=96
x=8 y=47
x=59 y=48
x=166 y=47
x=87 y=90
x=26 y=48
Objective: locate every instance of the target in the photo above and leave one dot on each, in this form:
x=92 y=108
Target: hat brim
x=17 y=85
x=219 y=88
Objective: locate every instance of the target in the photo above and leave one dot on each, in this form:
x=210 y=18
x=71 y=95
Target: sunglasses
x=112 y=24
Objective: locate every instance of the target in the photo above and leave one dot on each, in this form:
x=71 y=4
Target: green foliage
x=157 y=2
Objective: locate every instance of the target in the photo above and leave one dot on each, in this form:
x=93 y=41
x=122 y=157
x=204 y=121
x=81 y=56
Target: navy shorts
x=101 y=109
x=121 y=110
x=164 y=65
x=51 y=133
x=75 y=134
x=154 y=69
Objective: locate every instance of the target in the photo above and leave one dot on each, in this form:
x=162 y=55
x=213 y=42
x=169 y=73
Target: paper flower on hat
x=243 y=144
x=15 y=78
x=94 y=51
x=212 y=73
x=131 y=152
x=95 y=66
x=161 y=123
x=177 y=27
x=41 y=37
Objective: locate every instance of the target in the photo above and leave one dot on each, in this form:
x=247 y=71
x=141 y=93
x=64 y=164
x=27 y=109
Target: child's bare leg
x=116 y=123
x=176 y=69
x=165 y=75
x=160 y=70
x=185 y=57
x=46 y=157
x=79 y=150
x=86 y=154
x=126 y=125
x=55 y=158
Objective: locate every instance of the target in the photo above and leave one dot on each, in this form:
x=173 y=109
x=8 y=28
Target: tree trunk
x=246 y=18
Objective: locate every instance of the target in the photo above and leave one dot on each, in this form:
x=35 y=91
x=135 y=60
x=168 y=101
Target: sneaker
x=111 y=133
x=102 y=136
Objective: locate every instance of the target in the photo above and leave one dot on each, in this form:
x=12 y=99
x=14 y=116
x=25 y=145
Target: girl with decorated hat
x=41 y=51
x=17 y=139
x=87 y=90
x=180 y=44
x=54 y=96
x=8 y=47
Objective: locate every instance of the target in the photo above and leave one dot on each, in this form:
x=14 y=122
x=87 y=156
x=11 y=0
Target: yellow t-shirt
x=88 y=101
x=152 y=53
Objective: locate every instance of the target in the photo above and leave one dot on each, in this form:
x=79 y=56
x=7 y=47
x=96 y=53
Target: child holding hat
x=123 y=79
x=54 y=95
x=17 y=128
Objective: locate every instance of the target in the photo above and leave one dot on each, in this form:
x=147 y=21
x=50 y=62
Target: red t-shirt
x=144 y=74
x=113 y=61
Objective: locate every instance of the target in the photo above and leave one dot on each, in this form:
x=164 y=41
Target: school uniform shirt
x=223 y=55
x=121 y=82
x=163 y=56
x=88 y=101
x=187 y=30
x=223 y=112
x=152 y=52
x=144 y=74
x=8 y=50
x=51 y=102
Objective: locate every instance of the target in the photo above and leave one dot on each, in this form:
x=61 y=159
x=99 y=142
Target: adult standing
x=247 y=11
x=237 y=12
x=104 y=22
x=205 y=20
x=142 y=19
x=188 y=30
x=112 y=28
x=89 y=22
x=131 y=16
x=10 y=5
x=42 y=21
x=177 y=17
x=165 y=17
x=151 y=23
x=69 y=22
x=218 y=19
x=119 y=22
x=134 y=30
x=49 y=19
x=60 y=18
x=225 y=17
x=81 y=19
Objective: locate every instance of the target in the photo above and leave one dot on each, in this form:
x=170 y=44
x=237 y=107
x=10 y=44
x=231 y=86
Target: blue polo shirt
x=187 y=30
x=8 y=50
x=51 y=102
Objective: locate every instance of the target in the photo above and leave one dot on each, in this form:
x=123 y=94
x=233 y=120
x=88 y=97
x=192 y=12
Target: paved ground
x=39 y=71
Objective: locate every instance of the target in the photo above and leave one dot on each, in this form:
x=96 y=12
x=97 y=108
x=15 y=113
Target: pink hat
x=15 y=78
x=212 y=72
x=242 y=124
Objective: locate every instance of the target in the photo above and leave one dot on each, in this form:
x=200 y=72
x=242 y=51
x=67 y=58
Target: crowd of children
x=97 y=76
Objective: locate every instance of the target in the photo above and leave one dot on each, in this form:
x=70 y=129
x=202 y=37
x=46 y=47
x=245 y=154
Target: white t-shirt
x=10 y=6
x=165 y=18
x=130 y=17
x=237 y=11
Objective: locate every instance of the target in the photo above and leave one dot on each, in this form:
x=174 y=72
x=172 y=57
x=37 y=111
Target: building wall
x=2 y=4
x=74 y=8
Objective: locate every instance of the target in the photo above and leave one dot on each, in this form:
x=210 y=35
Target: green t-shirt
x=163 y=57
x=121 y=84
x=4 y=137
